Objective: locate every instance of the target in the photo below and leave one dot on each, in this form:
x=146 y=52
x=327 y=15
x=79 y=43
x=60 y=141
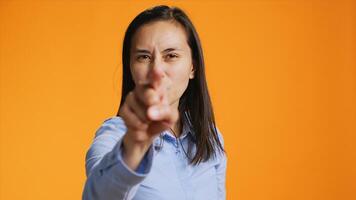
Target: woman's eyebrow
x=142 y=51
x=164 y=51
x=171 y=49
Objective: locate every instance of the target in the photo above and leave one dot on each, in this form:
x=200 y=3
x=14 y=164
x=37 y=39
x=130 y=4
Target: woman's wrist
x=133 y=152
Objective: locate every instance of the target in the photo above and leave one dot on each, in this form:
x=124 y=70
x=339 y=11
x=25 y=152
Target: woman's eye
x=143 y=57
x=172 y=56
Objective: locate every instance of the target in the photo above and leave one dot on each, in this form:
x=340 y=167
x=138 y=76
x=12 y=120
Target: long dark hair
x=195 y=101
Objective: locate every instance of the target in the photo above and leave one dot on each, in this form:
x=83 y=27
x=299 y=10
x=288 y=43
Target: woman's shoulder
x=114 y=120
x=221 y=154
x=220 y=136
x=112 y=125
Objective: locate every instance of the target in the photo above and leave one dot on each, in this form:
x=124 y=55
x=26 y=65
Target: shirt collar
x=186 y=130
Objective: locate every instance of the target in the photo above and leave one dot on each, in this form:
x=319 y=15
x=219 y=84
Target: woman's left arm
x=221 y=171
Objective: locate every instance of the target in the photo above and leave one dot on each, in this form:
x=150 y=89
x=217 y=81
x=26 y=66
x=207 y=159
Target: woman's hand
x=146 y=112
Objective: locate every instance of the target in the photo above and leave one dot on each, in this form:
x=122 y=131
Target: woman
x=163 y=143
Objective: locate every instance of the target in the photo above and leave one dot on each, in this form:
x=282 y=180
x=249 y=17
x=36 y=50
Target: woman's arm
x=108 y=177
x=221 y=171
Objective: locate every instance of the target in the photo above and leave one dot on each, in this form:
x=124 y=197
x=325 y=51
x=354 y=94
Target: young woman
x=163 y=143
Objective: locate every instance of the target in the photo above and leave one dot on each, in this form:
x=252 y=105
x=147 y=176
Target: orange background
x=282 y=75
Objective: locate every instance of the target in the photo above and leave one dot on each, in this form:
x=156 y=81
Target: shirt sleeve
x=221 y=171
x=108 y=176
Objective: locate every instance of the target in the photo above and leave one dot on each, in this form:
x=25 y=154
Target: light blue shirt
x=163 y=174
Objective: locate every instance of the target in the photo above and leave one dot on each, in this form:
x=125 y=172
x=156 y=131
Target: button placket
x=176 y=144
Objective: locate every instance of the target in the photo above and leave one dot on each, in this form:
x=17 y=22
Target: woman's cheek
x=138 y=74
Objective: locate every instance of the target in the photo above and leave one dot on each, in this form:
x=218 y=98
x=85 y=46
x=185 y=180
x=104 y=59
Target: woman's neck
x=177 y=127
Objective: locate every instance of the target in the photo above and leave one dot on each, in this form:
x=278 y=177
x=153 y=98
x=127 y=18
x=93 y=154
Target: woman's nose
x=156 y=73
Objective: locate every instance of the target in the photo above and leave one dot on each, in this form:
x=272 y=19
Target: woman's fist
x=146 y=112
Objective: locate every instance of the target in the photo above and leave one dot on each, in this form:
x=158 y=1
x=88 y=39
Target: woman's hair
x=195 y=101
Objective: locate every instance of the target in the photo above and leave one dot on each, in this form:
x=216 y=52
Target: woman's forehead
x=162 y=35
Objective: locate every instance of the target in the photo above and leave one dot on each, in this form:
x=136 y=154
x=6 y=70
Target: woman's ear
x=192 y=73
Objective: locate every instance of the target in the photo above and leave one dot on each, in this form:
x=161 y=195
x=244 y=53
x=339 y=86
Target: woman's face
x=160 y=51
